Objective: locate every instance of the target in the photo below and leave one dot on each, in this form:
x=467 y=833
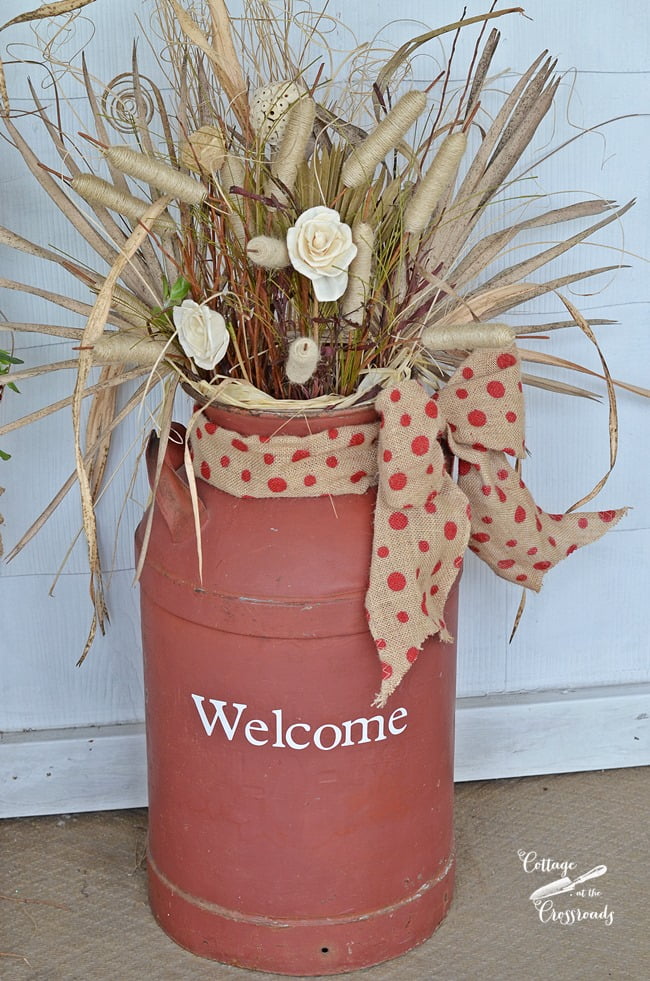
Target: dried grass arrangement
x=271 y=245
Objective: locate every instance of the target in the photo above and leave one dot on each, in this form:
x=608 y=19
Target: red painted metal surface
x=292 y=827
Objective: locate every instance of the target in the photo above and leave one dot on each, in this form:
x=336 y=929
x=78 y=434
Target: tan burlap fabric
x=424 y=520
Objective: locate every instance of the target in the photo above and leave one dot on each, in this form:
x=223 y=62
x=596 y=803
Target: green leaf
x=6 y=358
x=179 y=291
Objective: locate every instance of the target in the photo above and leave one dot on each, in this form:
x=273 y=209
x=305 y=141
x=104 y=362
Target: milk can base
x=299 y=947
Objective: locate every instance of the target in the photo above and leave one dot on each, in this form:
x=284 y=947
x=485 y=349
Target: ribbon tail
x=420 y=534
x=405 y=609
x=518 y=540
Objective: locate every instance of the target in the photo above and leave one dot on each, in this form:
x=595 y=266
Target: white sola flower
x=320 y=247
x=269 y=107
x=202 y=333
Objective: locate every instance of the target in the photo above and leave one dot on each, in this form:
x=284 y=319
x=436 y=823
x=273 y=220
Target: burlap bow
x=424 y=520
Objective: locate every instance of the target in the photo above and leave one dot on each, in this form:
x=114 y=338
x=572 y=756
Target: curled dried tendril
x=125 y=106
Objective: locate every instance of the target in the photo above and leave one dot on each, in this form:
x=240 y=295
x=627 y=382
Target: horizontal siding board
x=552 y=732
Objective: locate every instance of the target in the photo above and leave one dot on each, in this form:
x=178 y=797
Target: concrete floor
x=73 y=904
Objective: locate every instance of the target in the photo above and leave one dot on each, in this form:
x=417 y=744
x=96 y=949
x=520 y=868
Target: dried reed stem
x=221 y=53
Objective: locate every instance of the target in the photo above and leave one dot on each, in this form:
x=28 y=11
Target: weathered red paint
x=299 y=861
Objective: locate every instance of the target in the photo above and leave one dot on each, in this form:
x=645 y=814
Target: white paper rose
x=320 y=247
x=202 y=333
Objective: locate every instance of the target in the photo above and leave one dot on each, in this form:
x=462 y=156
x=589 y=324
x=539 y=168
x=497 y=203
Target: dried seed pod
x=204 y=151
x=467 y=337
x=96 y=191
x=302 y=361
x=268 y=110
x=360 y=165
x=435 y=182
x=268 y=252
x=158 y=174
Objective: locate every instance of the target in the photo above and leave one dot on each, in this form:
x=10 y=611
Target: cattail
x=304 y=355
x=96 y=191
x=291 y=152
x=355 y=296
x=435 y=182
x=204 y=151
x=467 y=337
x=360 y=165
x=120 y=348
x=267 y=252
x=158 y=174
x=233 y=174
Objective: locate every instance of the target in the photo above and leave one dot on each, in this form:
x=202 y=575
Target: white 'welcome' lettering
x=219 y=716
x=298 y=735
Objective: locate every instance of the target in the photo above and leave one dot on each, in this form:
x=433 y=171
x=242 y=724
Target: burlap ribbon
x=424 y=520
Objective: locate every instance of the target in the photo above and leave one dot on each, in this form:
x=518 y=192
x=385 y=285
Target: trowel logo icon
x=566 y=884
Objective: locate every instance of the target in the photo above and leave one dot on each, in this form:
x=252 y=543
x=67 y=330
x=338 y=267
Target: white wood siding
x=578 y=669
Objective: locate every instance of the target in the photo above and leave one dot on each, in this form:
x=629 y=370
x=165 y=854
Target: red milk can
x=292 y=827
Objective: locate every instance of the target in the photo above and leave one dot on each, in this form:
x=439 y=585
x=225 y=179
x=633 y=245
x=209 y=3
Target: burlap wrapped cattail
x=268 y=252
x=233 y=174
x=124 y=348
x=303 y=358
x=360 y=165
x=94 y=190
x=467 y=337
x=160 y=175
x=354 y=299
x=435 y=182
x=295 y=139
x=204 y=151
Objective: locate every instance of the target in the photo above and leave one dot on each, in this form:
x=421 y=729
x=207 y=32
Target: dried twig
x=34 y=902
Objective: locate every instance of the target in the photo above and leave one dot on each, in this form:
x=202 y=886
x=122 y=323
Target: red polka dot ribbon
x=337 y=461
x=424 y=520
x=421 y=532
